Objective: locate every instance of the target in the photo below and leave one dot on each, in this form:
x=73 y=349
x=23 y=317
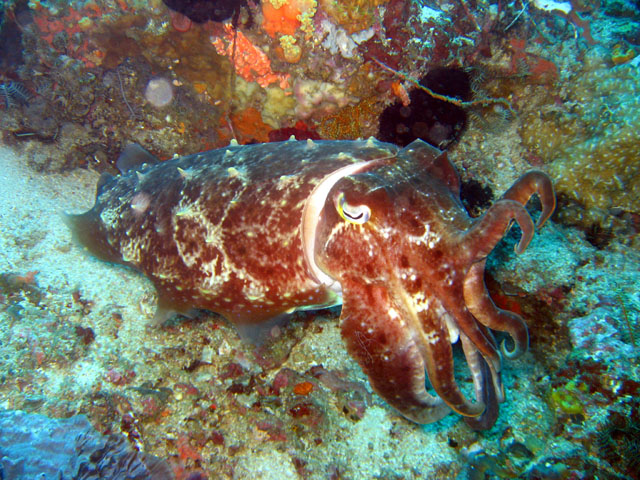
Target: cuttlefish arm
x=387 y=353
x=485 y=234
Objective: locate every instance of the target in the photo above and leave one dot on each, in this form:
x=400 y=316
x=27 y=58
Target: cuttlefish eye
x=357 y=214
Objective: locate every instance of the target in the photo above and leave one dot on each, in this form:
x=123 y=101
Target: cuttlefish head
x=410 y=265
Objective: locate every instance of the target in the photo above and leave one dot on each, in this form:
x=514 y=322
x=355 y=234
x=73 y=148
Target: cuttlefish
x=252 y=232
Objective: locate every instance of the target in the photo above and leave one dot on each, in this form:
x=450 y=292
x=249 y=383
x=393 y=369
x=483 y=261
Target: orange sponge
x=283 y=20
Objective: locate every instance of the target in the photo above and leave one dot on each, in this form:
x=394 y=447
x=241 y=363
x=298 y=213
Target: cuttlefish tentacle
x=479 y=336
x=485 y=389
x=485 y=311
x=387 y=351
x=528 y=184
x=438 y=358
x=495 y=377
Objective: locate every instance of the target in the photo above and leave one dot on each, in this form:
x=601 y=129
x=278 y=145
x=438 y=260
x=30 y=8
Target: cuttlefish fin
x=434 y=162
x=88 y=230
x=134 y=157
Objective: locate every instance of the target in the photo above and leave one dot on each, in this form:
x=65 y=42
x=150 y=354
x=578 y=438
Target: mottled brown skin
x=255 y=231
x=414 y=271
x=220 y=230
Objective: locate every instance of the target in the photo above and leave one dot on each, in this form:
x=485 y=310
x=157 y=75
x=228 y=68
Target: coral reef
x=588 y=138
x=562 y=78
x=249 y=61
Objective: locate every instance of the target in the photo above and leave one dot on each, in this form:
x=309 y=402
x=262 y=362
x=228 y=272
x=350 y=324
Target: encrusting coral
x=588 y=137
x=353 y=15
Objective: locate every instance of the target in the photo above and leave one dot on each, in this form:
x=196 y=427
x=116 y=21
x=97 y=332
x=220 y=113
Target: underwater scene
x=320 y=239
